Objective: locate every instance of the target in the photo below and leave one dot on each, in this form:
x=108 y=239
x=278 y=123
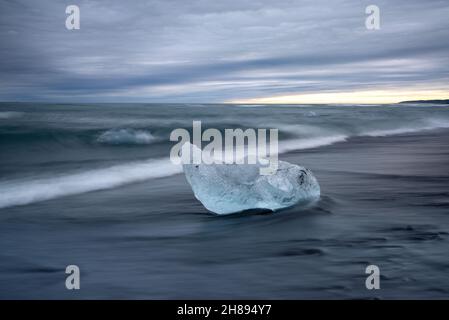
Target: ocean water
x=92 y=185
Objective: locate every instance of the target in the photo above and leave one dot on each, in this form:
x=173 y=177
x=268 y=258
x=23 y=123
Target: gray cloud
x=208 y=51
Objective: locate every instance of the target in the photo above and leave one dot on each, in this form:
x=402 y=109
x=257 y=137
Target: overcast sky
x=215 y=51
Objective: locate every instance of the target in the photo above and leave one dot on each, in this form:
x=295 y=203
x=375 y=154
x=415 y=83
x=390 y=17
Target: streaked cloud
x=214 y=51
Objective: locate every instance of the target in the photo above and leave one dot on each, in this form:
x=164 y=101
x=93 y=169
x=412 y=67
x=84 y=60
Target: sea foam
x=126 y=136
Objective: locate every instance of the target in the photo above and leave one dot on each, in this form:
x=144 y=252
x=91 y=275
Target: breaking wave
x=25 y=192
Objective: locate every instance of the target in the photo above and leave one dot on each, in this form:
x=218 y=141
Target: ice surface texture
x=231 y=188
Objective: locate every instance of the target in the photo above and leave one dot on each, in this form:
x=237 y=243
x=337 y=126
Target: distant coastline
x=445 y=101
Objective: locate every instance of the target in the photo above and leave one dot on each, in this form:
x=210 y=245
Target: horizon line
x=226 y=102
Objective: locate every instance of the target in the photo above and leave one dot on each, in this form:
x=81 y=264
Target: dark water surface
x=89 y=185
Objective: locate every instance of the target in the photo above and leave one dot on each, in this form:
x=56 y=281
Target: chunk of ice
x=231 y=188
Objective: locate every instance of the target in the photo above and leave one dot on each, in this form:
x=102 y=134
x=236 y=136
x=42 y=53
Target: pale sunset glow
x=357 y=97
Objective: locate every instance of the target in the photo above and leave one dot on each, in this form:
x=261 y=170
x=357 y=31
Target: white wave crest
x=310 y=143
x=126 y=136
x=431 y=124
x=24 y=192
